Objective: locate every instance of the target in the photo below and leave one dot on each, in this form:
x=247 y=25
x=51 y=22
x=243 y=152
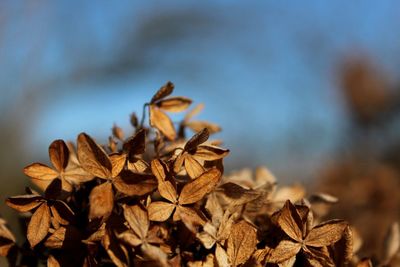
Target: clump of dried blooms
x=154 y=198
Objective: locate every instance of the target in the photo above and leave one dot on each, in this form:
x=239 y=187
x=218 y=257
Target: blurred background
x=310 y=89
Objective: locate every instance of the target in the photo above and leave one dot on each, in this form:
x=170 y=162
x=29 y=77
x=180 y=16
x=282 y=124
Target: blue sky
x=266 y=70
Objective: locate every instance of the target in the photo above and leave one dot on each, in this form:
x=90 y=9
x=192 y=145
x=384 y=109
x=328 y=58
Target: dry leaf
x=197 y=139
x=197 y=189
x=241 y=243
x=52 y=262
x=101 y=200
x=117 y=163
x=290 y=222
x=163 y=92
x=7 y=240
x=59 y=155
x=137 y=219
x=174 y=104
x=160 y=211
x=93 y=158
x=162 y=122
x=136 y=145
x=285 y=251
x=326 y=233
x=24 y=203
x=159 y=169
x=39 y=225
x=134 y=184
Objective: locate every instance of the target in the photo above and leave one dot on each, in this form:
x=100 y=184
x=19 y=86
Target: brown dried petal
x=222 y=257
x=136 y=145
x=101 y=200
x=159 y=169
x=318 y=258
x=40 y=171
x=130 y=238
x=160 y=211
x=285 y=250
x=290 y=222
x=164 y=91
x=24 y=203
x=5 y=232
x=168 y=191
x=118 y=132
x=75 y=174
x=59 y=154
x=210 y=153
x=117 y=163
x=134 y=184
x=193 y=112
x=193 y=168
x=138 y=165
x=137 y=219
x=238 y=195
x=326 y=234
x=241 y=243
x=343 y=249
x=174 y=104
x=52 y=262
x=190 y=218
x=206 y=239
x=198 y=125
x=39 y=225
x=93 y=158
x=162 y=122
x=197 y=139
x=7 y=241
x=214 y=209
x=197 y=189
x=179 y=162
x=324 y=198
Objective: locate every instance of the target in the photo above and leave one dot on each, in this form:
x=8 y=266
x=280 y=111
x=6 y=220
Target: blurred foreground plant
x=157 y=199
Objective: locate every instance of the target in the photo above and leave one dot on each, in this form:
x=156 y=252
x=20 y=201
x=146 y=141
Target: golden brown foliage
x=128 y=203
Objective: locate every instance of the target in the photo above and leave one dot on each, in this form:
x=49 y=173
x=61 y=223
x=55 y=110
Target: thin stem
x=143 y=115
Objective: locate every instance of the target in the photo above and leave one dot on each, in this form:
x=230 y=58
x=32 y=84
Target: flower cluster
x=155 y=198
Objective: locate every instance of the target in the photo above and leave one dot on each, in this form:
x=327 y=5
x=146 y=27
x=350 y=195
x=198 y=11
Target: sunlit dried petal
x=93 y=158
x=193 y=168
x=290 y=222
x=198 y=188
x=207 y=152
x=168 y=191
x=39 y=225
x=101 y=200
x=24 y=203
x=117 y=163
x=241 y=243
x=59 y=154
x=137 y=219
x=162 y=122
x=326 y=234
x=174 y=104
x=160 y=211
